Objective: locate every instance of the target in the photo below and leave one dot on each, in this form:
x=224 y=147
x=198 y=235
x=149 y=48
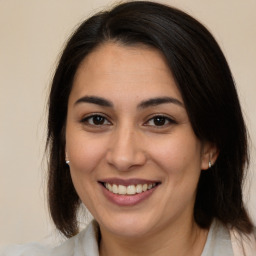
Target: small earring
x=66 y=160
x=210 y=162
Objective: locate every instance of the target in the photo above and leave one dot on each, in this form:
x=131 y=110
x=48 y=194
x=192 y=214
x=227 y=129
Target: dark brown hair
x=205 y=82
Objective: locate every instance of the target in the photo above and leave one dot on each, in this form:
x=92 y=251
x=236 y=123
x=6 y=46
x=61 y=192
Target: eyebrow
x=159 y=101
x=95 y=100
x=144 y=104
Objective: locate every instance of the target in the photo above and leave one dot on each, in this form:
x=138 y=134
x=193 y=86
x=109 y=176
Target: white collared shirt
x=218 y=243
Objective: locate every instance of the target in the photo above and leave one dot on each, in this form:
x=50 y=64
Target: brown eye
x=160 y=121
x=96 y=120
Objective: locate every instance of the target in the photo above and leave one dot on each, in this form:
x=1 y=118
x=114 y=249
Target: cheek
x=178 y=154
x=84 y=153
x=179 y=158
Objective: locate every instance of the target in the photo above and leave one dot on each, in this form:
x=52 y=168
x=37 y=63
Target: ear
x=209 y=155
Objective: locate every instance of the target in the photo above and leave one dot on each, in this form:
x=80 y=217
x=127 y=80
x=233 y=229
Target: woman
x=145 y=129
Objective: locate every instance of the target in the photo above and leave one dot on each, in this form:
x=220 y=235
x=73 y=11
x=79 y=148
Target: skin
x=130 y=143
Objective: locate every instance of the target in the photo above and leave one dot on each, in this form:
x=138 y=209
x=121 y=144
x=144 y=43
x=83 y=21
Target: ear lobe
x=209 y=156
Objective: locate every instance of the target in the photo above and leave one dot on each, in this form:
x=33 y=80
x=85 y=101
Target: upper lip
x=127 y=182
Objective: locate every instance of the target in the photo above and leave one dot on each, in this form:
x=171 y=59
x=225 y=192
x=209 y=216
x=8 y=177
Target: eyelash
x=87 y=120
x=161 y=118
x=103 y=121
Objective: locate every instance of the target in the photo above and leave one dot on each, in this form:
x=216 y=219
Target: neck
x=180 y=239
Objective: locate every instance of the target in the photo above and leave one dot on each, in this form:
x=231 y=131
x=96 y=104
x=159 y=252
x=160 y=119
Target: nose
x=126 y=150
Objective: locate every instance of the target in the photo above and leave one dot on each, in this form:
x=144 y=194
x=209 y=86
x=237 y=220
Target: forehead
x=138 y=70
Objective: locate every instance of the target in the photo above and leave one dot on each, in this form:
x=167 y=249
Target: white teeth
x=109 y=187
x=128 y=190
x=145 y=187
x=115 y=189
x=131 y=190
x=139 y=188
x=121 y=190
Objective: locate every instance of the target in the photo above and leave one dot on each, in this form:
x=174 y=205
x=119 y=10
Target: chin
x=128 y=226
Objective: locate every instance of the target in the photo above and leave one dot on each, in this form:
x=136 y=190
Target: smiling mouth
x=130 y=189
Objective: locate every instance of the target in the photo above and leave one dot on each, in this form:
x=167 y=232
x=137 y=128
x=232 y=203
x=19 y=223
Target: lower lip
x=127 y=200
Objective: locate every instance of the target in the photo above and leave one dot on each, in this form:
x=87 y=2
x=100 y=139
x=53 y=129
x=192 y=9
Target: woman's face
x=134 y=158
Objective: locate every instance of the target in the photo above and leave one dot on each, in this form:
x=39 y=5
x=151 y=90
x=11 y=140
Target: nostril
x=125 y=160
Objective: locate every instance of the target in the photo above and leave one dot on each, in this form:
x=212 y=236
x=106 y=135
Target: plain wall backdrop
x=32 y=34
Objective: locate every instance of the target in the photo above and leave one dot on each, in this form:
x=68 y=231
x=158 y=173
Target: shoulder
x=222 y=239
x=84 y=242
x=218 y=241
x=25 y=250
x=243 y=244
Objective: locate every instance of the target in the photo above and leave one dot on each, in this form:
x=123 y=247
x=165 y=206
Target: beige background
x=31 y=36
